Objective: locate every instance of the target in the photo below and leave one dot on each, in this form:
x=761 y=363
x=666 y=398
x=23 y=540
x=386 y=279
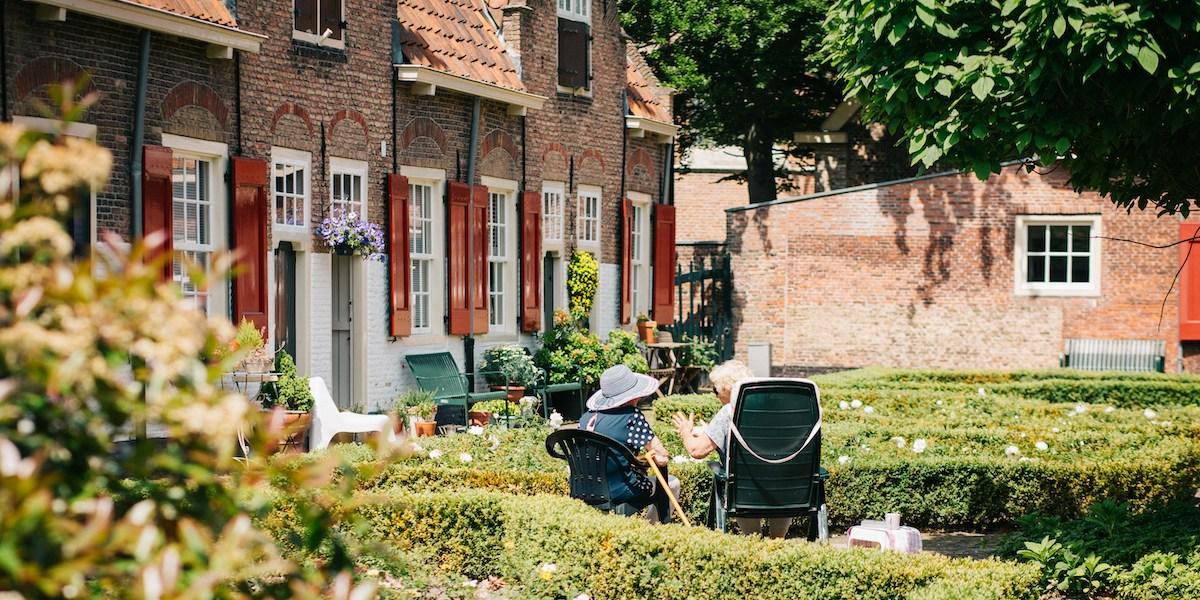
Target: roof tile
x=213 y=11
x=456 y=37
x=644 y=99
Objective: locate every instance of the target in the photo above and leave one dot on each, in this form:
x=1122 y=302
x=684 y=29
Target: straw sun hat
x=619 y=386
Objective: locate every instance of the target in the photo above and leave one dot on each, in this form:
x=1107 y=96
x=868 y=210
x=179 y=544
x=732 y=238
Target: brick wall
x=187 y=93
x=920 y=274
x=870 y=155
x=700 y=201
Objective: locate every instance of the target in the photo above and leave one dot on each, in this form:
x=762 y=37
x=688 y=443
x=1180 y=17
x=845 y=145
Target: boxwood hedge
x=556 y=548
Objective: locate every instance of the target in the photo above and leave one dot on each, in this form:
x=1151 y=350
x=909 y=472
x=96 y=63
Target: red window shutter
x=664 y=264
x=626 y=259
x=531 y=262
x=460 y=202
x=250 y=240
x=1189 y=283
x=399 y=263
x=479 y=228
x=158 y=205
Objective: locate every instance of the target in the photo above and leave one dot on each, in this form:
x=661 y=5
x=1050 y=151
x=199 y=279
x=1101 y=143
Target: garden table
x=660 y=357
x=246 y=378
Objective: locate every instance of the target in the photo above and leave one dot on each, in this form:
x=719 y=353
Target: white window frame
x=315 y=39
x=85 y=131
x=217 y=154
x=436 y=180
x=346 y=166
x=586 y=193
x=553 y=226
x=639 y=256
x=1020 y=264
x=575 y=10
x=509 y=291
x=297 y=234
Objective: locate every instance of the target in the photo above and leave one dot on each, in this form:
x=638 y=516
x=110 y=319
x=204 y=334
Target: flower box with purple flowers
x=347 y=233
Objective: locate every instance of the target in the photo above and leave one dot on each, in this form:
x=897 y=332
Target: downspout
x=4 y=62
x=621 y=207
x=139 y=129
x=469 y=339
x=237 y=97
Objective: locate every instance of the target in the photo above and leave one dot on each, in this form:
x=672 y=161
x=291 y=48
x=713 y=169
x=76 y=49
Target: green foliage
x=972 y=83
x=583 y=279
x=248 y=336
x=89 y=512
x=571 y=353
x=747 y=73
x=509 y=365
x=697 y=353
x=483 y=534
x=414 y=401
x=1065 y=571
x=1160 y=576
x=623 y=349
x=291 y=391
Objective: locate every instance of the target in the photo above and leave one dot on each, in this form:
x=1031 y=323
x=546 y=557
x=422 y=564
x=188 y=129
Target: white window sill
x=310 y=38
x=1058 y=292
x=577 y=92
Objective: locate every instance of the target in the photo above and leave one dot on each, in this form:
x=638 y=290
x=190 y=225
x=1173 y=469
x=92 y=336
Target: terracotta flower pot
x=426 y=428
x=647 y=330
x=515 y=392
x=479 y=417
x=296 y=425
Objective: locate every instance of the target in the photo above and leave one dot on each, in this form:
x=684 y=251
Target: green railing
x=704 y=302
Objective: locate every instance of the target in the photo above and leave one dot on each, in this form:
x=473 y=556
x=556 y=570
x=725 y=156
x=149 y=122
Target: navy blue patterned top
x=628 y=425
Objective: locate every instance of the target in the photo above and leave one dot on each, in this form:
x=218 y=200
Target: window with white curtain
x=347 y=187
x=499 y=258
x=420 y=247
x=192 y=223
x=553 y=205
x=589 y=216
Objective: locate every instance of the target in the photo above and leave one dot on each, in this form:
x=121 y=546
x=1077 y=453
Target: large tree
x=1106 y=89
x=746 y=72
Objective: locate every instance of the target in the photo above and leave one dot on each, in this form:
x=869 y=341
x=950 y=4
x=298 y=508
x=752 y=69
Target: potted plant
x=348 y=233
x=249 y=343
x=511 y=369
x=647 y=329
x=419 y=406
x=292 y=395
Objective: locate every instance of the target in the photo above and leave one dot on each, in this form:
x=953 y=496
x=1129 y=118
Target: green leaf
x=982 y=169
x=1062 y=145
x=1060 y=26
x=982 y=87
x=1148 y=59
x=1009 y=7
x=926 y=17
x=1023 y=140
x=943 y=87
x=881 y=24
x=946 y=31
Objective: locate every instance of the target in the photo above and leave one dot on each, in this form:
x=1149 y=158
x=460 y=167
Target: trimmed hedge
x=480 y=534
x=919 y=377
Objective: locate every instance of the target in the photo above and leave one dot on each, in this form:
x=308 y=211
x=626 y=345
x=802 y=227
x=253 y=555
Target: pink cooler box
x=902 y=539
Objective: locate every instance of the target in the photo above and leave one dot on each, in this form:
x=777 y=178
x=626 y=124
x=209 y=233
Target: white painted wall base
x=320 y=360
x=608 y=300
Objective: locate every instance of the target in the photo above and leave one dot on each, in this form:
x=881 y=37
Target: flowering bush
x=347 y=233
x=509 y=365
x=583 y=278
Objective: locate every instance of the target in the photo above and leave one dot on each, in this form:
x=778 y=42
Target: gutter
x=139 y=131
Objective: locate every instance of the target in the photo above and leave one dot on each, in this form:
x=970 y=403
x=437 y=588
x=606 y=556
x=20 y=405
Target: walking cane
x=663 y=482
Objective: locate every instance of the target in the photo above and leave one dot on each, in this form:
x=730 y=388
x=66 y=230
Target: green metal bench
x=438 y=373
x=1114 y=355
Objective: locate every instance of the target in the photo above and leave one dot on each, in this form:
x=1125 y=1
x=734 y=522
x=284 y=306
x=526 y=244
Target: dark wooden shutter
x=664 y=264
x=399 y=262
x=305 y=15
x=1189 y=284
x=531 y=262
x=331 y=18
x=572 y=53
x=626 y=259
x=456 y=252
x=250 y=240
x=158 y=204
x=479 y=228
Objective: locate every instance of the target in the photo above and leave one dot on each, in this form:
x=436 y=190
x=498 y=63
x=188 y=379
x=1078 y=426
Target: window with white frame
x=553 y=204
x=312 y=18
x=1058 y=255
x=421 y=253
x=348 y=187
x=639 y=264
x=579 y=10
x=589 y=216
x=192 y=223
x=290 y=188
x=499 y=257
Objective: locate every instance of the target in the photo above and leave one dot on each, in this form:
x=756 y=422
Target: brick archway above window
x=291 y=108
x=423 y=127
x=46 y=70
x=498 y=138
x=560 y=150
x=593 y=155
x=352 y=115
x=640 y=158
x=191 y=93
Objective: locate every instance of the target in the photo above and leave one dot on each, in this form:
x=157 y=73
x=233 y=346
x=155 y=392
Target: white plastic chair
x=328 y=421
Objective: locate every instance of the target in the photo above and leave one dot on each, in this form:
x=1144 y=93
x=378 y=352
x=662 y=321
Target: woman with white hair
x=715 y=435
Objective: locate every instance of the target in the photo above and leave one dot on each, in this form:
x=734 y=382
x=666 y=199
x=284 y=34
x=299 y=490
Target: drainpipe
x=139 y=129
x=621 y=205
x=4 y=62
x=469 y=340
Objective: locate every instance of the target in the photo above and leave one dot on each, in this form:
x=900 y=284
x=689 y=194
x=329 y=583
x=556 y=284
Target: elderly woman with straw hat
x=613 y=412
x=715 y=435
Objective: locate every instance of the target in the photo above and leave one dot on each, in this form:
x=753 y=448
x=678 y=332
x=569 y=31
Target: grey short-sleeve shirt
x=717 y=429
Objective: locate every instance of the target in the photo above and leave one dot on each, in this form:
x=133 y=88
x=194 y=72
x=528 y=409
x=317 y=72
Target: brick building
x=947 y=271
x=490 y=140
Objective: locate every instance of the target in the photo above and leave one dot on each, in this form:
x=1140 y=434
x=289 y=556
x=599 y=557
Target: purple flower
x=348 y=233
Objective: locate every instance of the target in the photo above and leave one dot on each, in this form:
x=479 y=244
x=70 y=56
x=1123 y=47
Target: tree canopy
x=747 y=73
x=1108 y=90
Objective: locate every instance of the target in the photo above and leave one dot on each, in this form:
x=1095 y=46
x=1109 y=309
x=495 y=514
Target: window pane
x=1058 y=238
x=1035 y=271
x=1081 y=238
x=1058 y=269
x=1080 y=269
x=1037 y=238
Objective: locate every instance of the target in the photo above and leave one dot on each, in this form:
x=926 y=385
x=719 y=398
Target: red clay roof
x=643 y=100
x=456 y=37
x=213 y=11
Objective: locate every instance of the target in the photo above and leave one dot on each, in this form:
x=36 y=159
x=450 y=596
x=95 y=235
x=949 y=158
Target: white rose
x=1149 y=413
x=899 y=441
x=843 y=459
x=843 y=405
x=1012 y=451
x=870 y=410
x=856 y=403
x=475 y=430
x=1042 y=446
x=919 y=445
x=464 y=457
x=435 y=454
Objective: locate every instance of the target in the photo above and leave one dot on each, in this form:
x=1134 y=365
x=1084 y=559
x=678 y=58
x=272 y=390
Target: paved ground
x=957 y=544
